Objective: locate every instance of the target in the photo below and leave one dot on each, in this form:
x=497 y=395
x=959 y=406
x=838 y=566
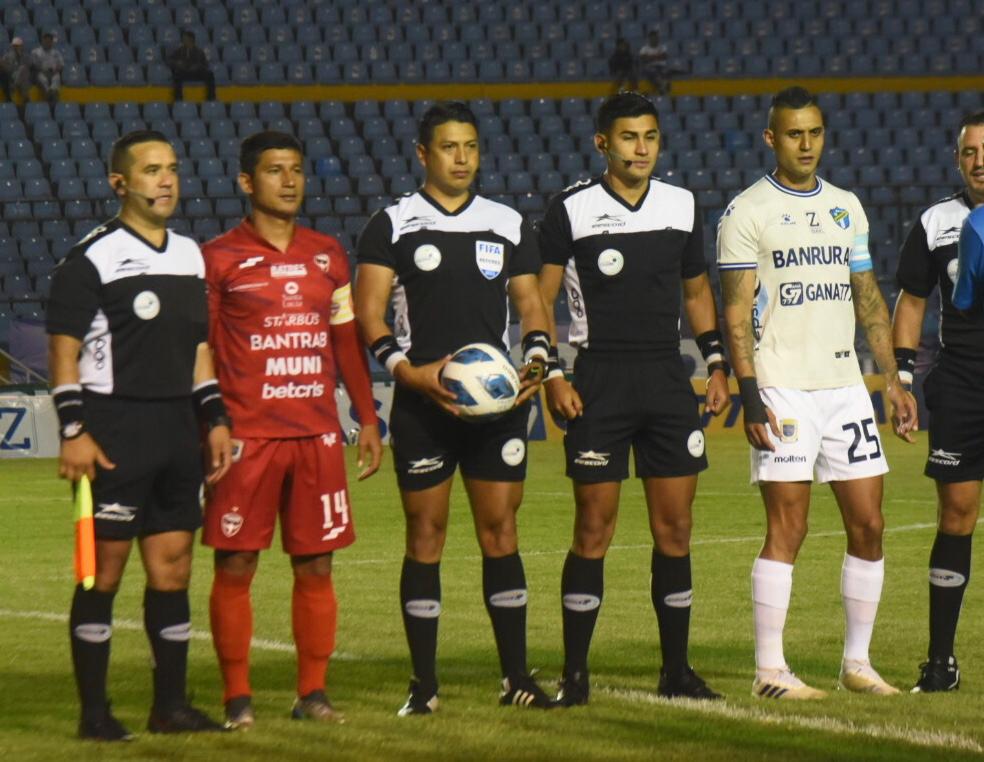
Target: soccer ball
x=483 y=379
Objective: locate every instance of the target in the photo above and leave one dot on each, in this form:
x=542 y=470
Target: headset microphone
x=617 y=157
x=150 y=201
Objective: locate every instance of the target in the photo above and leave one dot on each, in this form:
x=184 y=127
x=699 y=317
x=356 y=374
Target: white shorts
x=827 y=435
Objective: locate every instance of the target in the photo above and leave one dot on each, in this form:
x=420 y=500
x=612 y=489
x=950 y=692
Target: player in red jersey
x=282 y=328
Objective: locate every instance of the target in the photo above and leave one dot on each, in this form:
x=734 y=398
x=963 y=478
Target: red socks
x=314 y=614
x=231 y=614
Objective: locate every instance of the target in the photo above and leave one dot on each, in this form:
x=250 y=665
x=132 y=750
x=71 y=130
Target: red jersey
x=270 y=318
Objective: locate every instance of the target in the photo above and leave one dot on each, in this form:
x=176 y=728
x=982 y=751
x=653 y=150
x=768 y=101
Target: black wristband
x=721 y=365
x=751 y=400
x=209 y=407
x=905 y=358
x=711 y=346
x=70 y=410
x=387 y=352
x=553 y=364
x=536 y=344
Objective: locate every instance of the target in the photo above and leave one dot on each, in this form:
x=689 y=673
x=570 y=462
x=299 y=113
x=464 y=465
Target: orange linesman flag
x=85 y=535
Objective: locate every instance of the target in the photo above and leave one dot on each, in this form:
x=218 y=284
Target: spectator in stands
x=189 y=64
x=654 y=63
x=46 y=67
x=622 y=65
x=14 y=70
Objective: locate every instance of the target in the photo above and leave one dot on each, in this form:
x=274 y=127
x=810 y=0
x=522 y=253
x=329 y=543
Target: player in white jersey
x=793 y=258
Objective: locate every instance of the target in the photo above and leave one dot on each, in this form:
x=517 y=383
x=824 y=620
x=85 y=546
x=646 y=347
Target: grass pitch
x=625 y=720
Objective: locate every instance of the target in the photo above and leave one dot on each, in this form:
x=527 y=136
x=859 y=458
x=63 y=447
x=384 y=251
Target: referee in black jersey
x=621 y=245
x=952 y=391
x=450 y=260
x=133 y=380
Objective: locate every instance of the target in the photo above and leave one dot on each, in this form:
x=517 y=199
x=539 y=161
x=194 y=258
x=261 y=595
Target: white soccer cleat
x=860 y=677
x=783 y=684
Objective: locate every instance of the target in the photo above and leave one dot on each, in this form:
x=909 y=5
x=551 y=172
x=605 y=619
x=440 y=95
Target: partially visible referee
x=132 y=381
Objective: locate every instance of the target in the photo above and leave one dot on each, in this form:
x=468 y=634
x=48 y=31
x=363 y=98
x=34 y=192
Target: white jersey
x=804 y=245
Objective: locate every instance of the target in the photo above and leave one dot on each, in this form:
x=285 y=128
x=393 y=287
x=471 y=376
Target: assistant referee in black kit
x=131 y=372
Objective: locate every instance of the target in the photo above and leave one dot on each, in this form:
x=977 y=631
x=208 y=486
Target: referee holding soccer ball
x=131 y=372
x=449 y=260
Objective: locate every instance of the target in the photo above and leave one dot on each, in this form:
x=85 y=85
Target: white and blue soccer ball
x=483 y=379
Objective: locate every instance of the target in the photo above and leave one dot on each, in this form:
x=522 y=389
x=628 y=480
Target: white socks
x=861 y=586
x=772 y=583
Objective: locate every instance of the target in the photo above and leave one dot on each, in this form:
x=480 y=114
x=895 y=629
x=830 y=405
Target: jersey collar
x=159 y=249
x=801 y=194
x=433 y=202
x=631 y=207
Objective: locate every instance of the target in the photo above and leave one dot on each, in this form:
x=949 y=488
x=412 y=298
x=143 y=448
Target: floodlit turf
x=625 y=721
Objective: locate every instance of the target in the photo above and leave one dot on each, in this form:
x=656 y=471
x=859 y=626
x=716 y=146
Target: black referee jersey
x=929 y=259
x=139 y=310
x=450 y=269
x=624 y=263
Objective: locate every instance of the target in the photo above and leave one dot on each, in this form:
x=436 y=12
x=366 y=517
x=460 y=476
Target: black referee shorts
x=429 y=444
x=156 y=485
x=646 y=404
x=956 y=425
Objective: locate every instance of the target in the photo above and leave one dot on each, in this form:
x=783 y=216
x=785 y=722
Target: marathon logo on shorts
x=329 y=440
x=237 y=450
x=784 y=459
x=425 y=465
x=115 y=512
x=294 y=270
x=944 y=458
x=592 y=458
x=231 y=523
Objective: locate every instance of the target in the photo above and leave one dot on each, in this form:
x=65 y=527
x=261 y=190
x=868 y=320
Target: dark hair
x=440 y=113
x=974 y=118
x=620 y=106
x=187 y=33
x=254 y=146
x=795 y=97
x=119 y=155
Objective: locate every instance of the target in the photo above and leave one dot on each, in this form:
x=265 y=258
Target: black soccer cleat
x=938 y=675
x=103 y=727
x=239 y=713
x=685 y=684
x=422 y=700
x=523 y=691
x=315 y=706
x=182 y=719
x=574 y=690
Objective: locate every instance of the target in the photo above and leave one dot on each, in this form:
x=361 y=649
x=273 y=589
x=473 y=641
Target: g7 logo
x=10 y=421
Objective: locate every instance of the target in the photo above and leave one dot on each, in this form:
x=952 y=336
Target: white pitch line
x=641 y=546
x=261 y=644
x=899 y=733
x=823 y=724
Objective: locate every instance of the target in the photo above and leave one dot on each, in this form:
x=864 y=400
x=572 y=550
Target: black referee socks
x=420 y=602
x=504 y=587
x=672 y=594
x=949 y=572
x=582 y=586
x=90 y=627
x=167 y=620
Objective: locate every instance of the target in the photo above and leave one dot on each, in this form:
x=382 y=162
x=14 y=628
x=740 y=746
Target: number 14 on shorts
x=336 y=509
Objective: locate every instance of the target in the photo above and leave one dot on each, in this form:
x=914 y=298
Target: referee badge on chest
x=427 y=257
x=489 y=257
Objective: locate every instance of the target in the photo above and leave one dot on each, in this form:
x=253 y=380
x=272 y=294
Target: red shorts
x=301 y=479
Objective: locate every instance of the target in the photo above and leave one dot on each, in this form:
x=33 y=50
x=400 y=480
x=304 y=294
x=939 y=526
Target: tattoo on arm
x=872 y=314
x=738 y=291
